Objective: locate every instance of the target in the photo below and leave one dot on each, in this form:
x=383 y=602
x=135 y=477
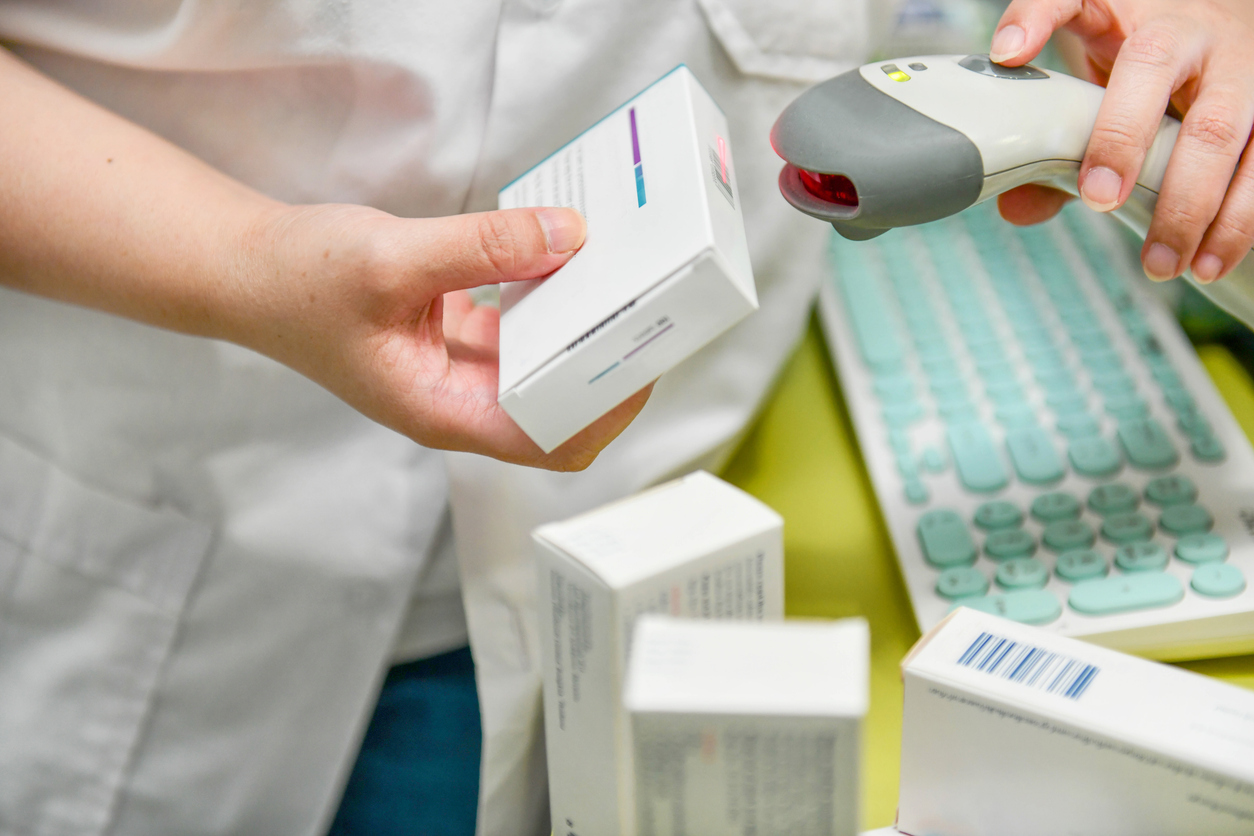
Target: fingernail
x=1101 y=189
x=1007 y=43
x=1207 y=267
x=1162 y=263
x=564 y=229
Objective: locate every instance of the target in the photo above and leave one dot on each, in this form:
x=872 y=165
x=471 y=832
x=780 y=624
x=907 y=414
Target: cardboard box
x=747 y=729
x=1011 y=729
x=664 y=270
x=693 y=548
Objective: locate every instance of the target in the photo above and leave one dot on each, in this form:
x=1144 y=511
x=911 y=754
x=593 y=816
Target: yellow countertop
x=802 y=459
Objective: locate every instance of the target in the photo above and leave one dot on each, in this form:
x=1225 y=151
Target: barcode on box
x=1032 y=666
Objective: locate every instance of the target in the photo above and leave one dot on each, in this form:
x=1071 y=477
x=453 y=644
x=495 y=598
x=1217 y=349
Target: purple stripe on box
x=635 y=139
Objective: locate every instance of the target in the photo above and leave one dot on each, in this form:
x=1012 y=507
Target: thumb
x=508 y=245
x=1026 y=25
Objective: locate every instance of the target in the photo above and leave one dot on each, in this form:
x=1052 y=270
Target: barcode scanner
x=912 y=140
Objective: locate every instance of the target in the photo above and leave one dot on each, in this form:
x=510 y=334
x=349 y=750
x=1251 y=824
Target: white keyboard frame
x=1193 y=628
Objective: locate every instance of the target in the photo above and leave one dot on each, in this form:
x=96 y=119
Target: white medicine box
x=1012 y=729
x=694 y=548
x=663 y=271
x=745 y=729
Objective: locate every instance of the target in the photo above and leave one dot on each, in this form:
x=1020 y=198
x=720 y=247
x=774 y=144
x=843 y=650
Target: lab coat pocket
x=793 y=40
x=92 y=588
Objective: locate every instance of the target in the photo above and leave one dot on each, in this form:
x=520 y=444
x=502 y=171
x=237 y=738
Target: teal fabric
x=418 y=770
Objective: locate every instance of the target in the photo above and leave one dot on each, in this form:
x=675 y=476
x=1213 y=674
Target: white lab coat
x=205 y=560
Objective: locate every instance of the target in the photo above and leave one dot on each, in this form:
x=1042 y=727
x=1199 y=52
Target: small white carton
x=747 y=729
x=663 y=271
x=694 y=548
x=1011 y=729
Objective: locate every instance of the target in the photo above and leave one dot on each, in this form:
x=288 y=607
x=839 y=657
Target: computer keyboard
x=1042 y=438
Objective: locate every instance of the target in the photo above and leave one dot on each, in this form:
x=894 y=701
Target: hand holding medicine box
x=663 y=271
x=742 y=729
x=1009 y=729
x=693 y=548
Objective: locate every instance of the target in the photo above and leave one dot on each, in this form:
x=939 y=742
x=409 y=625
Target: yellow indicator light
x=899 y=76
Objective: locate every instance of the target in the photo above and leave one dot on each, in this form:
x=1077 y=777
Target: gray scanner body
x=924 y=137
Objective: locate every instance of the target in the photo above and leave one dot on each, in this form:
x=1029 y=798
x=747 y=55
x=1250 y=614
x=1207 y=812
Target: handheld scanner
x=913 y=140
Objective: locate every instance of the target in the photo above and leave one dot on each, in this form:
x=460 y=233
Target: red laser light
x=832 y=188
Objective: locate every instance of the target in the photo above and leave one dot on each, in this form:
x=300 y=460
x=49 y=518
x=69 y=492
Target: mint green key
x=1065 y=535
x=959 y=413
x=1064 y=402
x=894 y=387
x=949 y=390
x=1003 y=393
x=1034 y=457
x=1102 y=361
x=975 y=457
x=1027 y=606
x=1193 y=424
x=1185 y=519
x=934 y=459
x=1114 y=383
x=903 y=414
x=1126 y=406
x=1147 y=444
x=992 y=516
x=873 y=325
x=1078 y=425
x=1015 y=415
x=1202 y=548
x=1009 y=542
x=1080 y=565
x=1096 y=457
x=945 y=539
x=1141 y=557
x=1129 y=527
x=1207 y=448
x=1057 y=505
x=1022 y=573
x=1113 y=499
x=961 y=582
x=1179 y=399
x=1122 y=593
x=1218 y=580
x=916 y=492
x=1171 y=490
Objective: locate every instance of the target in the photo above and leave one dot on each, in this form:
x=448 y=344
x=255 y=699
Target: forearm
x=97 y=211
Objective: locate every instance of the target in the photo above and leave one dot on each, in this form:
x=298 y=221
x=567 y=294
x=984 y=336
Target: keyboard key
x=1057 y=505
x=894 y=388
x=1015 y=415
x=873 y=325
x=1113 y=499
x=945 y=539
x=1141 y=557
x=1193 y=424
x=1078 y=425
x=934 y=459
x=908 y=467
x=1170 y=490
x=916 y=492
x=1218 y=580
x=1065 y=535
x=959 y=412
x=1066 y=402
x=1128 y=527
x=1166 y=376
x=903 y=414
x=1126 y=406
x=992 y=516
x=1207 y=449
x=1056 y=380
x=1081 y=565
x=1096 y=457
x=1114 y=383
x=1185 y=519
x=1101 y=361
x=975 y=456
x=1008 y=543
x=1022 y=573
x=961 y=582
x=1006 y=394
x=1121 y=593
x=1179 y=399
x=1147 y=444
x=1201 y=548
x=1034 y=457
x=1028 y=606
x=899 y=440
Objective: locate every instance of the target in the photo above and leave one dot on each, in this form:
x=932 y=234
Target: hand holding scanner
x=913 y=140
